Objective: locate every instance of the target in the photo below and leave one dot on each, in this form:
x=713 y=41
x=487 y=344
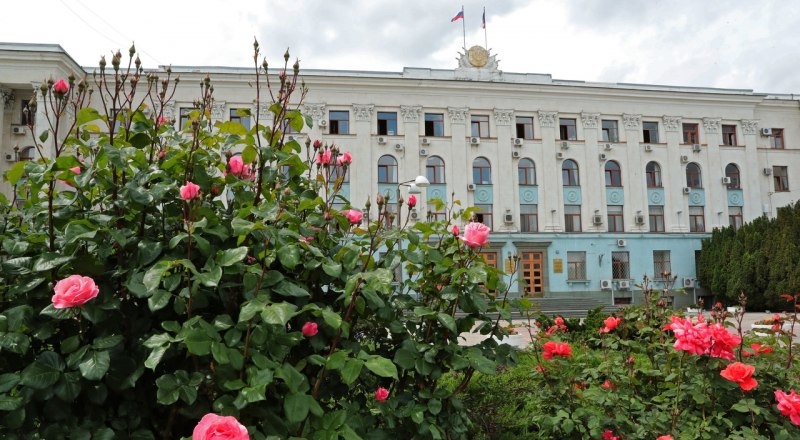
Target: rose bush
x=253 y=298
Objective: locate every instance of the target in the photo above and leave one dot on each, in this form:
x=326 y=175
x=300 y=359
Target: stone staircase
x=570 y=307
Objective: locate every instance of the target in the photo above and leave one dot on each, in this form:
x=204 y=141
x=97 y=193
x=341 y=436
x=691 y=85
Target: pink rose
x=161 y=121
x=789 y=405
x=354 y=216
x=61 y=87
x=345 y=159
x=310 y=329
x=741 y=374
x=214 y=427
x=476 y=234
x=236 y=164
x=317 y=143
x=611 y=323
x=76 y=170
x=412 y=201
x=74 y=290
x=455 y=230
x=190 y=191
x=324 y=157
x=381 y=394
x=665 y=437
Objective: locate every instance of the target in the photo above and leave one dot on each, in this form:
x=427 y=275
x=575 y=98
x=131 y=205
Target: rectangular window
x=480 y=125
x=236 y=117
x=434 y=124
x=567 y=129
x=610 y=131
x=616 y=221
x=185 y=116
x=620 y=265
x=387 y=123
x=529 y=218
x=650 y=132
x=780 y=176
x=690 y=134
x=697 y=219
x=729 y=135
x=661 y=264
x=572 y=218
x=339 y=122
x=576 y=266
x=524 y=127
x=656 y=214
x=776 y=140
x=437 y=216
x=735 y=217
x=484 y=215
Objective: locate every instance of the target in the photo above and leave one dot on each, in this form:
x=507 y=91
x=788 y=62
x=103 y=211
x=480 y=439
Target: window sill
x=579 y=281
x=731 y=146
x=340 y=134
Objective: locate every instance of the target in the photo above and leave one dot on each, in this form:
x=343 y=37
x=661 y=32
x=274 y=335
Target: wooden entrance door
x=532 y=271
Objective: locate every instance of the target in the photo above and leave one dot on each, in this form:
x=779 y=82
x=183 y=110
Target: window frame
x=576 y=266
x=729 y=138
x=234 y=116
x=694 y=179
x=484 y=171
x=339 y=122
x=570 y=176
x=387 y=123
x=525 y=126
x=735 y=217
x=620 y=265
x=564 y=126
x=529 y=172
x=389 y=169
x=697 y=219
x=656 y=218
x=691 y=133
x=183 y=113
x=777 y=141
x=612 y=129
x=529 y=217
x=650 y=135
x=613 y=177
x=572 y=218
x=479 y=125
x=732 y=172
x=653 y=176
x=780 y=178
x=435 y=172
x=434 y=122
x=616 y=218
x=482 y=214
x=661 y=265
x=27 y=118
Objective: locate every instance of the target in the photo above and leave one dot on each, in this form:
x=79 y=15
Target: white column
x=551 y=199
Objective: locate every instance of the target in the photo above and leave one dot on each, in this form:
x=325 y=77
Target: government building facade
x=590 y=185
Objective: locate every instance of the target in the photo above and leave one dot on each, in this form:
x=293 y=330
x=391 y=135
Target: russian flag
x=459 y=16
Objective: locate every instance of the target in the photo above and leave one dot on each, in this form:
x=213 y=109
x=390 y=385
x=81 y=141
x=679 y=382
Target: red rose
x=61 y=87
x=611 y=323
x=412 y=201
x=381 y=394
x=310 y=329
x=552 y=348
x=789 y=405
x=74 y=290
x=741 y=374
x=214 y=427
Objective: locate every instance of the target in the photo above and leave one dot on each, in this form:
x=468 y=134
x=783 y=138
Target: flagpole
x=485 y=39
x=464 y=27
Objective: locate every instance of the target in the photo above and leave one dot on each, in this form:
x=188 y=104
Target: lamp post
x=414 y=186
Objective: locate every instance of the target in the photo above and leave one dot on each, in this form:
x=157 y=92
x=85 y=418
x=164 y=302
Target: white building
x=593 y=185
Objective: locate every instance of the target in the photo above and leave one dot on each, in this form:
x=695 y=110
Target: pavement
x=523 y=338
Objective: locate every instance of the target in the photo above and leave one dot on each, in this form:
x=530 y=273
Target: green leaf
x=95 y=364
x=8 y=381
x=230 y=127
x=10 y=403
x=159 y=300
x=351 y=370
x=14 y=342
x=296 y=407
x=447 y=321
x=154 y=358
x=15 y=173
x=332 y=269
x=49 y=261
x=87 y=114
x=107 y=342
x=210 y=278
x=229 y=257
x=44 y=372
x=382 y=367
x=69 y=387
x=78 y=229
x=198 y=342
x=249 y=154
x=332 y=319
x=278 y=314
x=289 y=256
x=152 y=278
x=287 y=288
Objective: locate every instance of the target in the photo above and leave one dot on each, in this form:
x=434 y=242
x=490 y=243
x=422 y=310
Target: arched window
x=387 y=169
x=732 y=172
x=694 y=178
x=653 y=171
x=527 y=172
x=434 y=169
x=569 y=173
x=481 y=171
x=26 y=153
x=613 y=175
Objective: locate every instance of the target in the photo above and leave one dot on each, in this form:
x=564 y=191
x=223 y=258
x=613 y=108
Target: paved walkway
x=522 y=339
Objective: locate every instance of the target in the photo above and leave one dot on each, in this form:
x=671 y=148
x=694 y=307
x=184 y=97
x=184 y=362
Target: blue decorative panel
x=390 y=188
x=735 y=197
x=529 y=195
x=655 y=196
x=437 y=191
x=483 y=194
x=697 y=197
x=615 y=196
x=572 y=195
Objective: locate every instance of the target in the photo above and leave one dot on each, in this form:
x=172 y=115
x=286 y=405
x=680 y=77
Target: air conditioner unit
x=639 y=219
x=426 y=141
x=471 y=187
x=608 y=147
x=475 y=140
x=517 y=142
x=696 y=148
x=686 y=190
x=565 y=145
x=767 y=171
x=688 y=282
x=10 y=157
x=605 y=284
x=648 y=147
x=624 y=284
x=766 y=132
x=323 y=123
x=684 y=158
x=381 y=140
x=726 y=180
x=414 y=214
x=423 y=151
x=290 y=138
x=516 y=154
x=621 y=242
x=18 y=129
x=508 y=218
x=398 y=147
x=603 y=156
x=597 y=219
x=559 y=156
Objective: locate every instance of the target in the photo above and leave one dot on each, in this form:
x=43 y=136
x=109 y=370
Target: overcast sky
x=729 y=44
